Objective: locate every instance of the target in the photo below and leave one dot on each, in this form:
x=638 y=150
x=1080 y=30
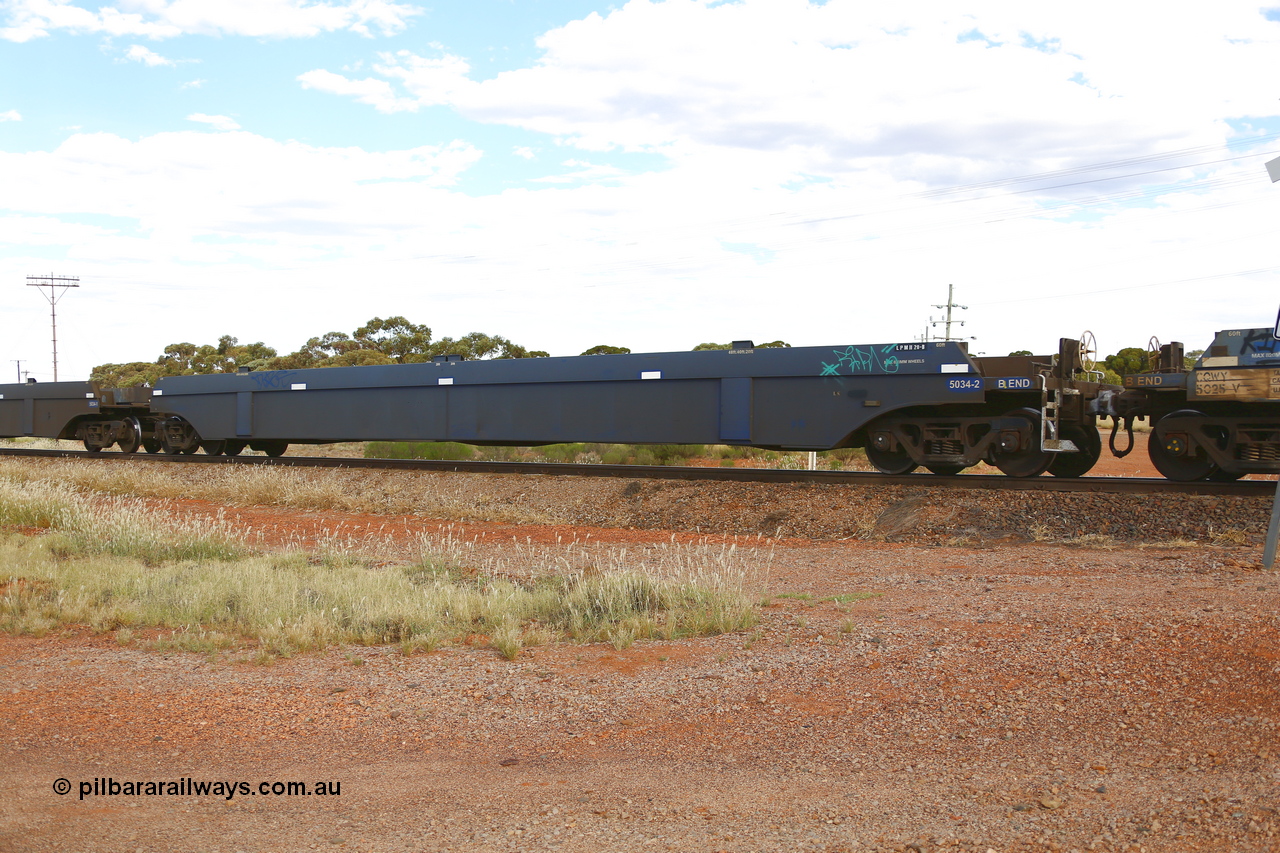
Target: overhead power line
x=57 y=285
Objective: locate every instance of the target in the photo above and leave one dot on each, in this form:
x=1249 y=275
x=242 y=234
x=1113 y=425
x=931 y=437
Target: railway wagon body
x=810 y=398
x=1220 y=420
x=910 y=404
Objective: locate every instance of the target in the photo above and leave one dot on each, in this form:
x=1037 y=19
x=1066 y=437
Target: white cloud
x=158 y=19
x=191 y=183
x=193 y=84
x=827 y=139
x=583 y=171
x=10 y=115
x=49 y=231
x=216 y=122
x=431 y=80
x=376 y=93
x=842 y=87
x=138 y=53
x=427 y=81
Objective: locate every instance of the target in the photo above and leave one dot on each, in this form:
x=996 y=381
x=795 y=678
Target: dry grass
x=114 y=526
x=1228 y=537
x=375 y=492
x=108 y=562
x=40 y=444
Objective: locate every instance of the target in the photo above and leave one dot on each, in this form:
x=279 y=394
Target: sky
x=567 y=173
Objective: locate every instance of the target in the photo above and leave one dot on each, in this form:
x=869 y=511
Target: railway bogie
x=1038 y=413
x=1218 y=420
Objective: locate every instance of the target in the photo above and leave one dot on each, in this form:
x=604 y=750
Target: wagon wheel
x=271 y=447
x=1086 y=438
x=943 y=469
x=234 y=448
x=177 y=436
x=1023 y=461
x=178 y=449
x=151 y=445
x=890 y=461
x=130 y=436
x=1173 y=457
x=213 y=448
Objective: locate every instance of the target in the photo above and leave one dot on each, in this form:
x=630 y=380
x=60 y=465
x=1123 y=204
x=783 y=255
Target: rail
x=1111 y=485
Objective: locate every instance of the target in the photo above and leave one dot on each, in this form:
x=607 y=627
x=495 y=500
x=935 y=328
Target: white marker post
x=1273 y=529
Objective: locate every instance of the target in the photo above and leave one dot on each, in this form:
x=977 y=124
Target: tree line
x=1137 y=360
x=393 y=340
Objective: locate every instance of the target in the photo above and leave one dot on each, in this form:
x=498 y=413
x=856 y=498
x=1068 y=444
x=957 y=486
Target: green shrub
x=450 y=451
x=561 y=452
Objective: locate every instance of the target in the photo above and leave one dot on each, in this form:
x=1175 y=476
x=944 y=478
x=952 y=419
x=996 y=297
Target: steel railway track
x=1112 y=485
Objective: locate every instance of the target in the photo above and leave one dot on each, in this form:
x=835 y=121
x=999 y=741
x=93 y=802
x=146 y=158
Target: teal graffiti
x=862 y=360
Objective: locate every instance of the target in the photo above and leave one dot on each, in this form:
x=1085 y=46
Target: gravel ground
x=932 y=670
x=917 y=514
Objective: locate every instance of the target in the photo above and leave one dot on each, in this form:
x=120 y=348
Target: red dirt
x=1008 y=697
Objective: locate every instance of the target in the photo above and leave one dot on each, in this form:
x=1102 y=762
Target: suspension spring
x=940 y=447
x=1258 y=452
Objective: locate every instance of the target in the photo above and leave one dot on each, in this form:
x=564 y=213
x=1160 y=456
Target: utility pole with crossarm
x=57 y=285
x=947 y=321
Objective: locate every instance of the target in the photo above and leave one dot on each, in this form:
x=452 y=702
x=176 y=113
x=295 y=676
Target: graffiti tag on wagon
x=273 y=379
x=854 y=360
x=1258 y=343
